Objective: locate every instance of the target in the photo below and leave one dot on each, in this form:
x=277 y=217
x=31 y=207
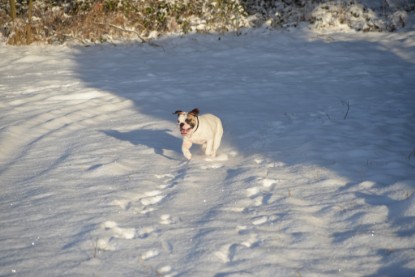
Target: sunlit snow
x=315 y=175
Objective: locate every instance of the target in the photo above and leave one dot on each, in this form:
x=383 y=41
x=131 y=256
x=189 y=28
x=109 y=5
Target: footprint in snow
x=251 y=242
x=262 y=194
x=150 y=254
x=145 y=232
x=124 y=204
x=253 y=192
x=269 y=183
x=167 y=178
x=112 y=232
x=166 y=271
x=152 y=197
x=105 y=244
x=227 y=253
x=147 y=199
x=118 y=232
x=260 y=220
x=167 y=219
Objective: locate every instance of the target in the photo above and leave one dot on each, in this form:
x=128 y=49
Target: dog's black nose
x=181 y=124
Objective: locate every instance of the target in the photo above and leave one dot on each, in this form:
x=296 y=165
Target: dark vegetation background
x=99 y=21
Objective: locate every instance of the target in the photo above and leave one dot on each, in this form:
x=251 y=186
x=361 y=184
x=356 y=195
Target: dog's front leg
x=186 y=149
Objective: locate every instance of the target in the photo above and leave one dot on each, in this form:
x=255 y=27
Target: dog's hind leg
x=208 y=147
x=217 y=139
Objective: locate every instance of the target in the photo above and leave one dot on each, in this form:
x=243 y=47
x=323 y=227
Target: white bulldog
x=204 y=129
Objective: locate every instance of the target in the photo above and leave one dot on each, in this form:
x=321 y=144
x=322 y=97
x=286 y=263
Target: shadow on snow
x=285 y=104
x=159 y=140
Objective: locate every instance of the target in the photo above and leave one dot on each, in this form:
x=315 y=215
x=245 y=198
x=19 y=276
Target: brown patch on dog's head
x=191 y=119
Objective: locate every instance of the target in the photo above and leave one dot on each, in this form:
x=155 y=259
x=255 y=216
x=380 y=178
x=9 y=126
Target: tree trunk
x=29 y=38
x=13 y=9
x=30 y=10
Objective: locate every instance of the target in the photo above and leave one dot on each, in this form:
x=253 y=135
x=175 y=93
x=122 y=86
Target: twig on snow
x=347 y=103
x=328 y=116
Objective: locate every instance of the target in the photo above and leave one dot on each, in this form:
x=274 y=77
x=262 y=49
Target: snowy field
x=315 y=175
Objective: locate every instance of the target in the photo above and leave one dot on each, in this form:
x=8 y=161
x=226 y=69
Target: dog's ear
x=177 y=112
x=195 y=111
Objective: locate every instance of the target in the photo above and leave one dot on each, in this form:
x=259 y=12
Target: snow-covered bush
x=94 y=21
x=363 y=15
x=343 y=14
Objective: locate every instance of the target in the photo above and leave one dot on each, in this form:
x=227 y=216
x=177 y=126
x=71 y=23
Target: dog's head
x=187 y=121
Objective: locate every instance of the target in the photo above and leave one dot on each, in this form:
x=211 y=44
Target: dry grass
x=97 y=21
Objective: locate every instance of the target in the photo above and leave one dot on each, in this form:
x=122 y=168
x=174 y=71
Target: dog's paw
x=187 y=153
x=188 y=156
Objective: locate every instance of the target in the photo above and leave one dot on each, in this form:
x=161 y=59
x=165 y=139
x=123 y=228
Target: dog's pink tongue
x=183 y=132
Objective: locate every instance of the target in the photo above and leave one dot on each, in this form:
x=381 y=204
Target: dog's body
x=204 y=129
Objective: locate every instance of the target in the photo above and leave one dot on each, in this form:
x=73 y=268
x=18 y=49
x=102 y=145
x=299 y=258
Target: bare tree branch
x=123 y=29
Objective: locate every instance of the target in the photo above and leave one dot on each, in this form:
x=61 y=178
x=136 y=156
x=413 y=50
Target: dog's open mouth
x=185 y=131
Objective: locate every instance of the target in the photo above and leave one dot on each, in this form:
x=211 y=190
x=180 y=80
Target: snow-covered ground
x=315 y=175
